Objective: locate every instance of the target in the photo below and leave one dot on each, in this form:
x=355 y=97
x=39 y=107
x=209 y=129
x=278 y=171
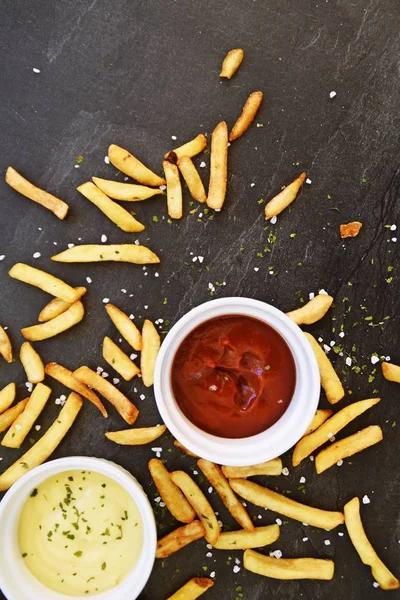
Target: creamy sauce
x=80 y=533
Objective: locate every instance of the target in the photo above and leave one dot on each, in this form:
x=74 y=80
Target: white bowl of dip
x=17 y=581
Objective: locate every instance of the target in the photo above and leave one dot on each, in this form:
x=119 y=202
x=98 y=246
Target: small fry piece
x=25 y=421
x=139 y=255
x=262 y=496
x=128 y=164
x=46 y=282
x=184 y=449
x=219 y=482
x=282 y=200
x=218 y=167
x=331 y=427
x=170 y=493
x=27 y=189
x=66 y=320
x=313 y=311
x=125 y=326
x=124 y=406
x=5 y=345
x=7 y=396
x=350 y=229
x=44 y=447
x=8 y=417
x=193 y=589
x=201 y=505
x=288 y=568
x=321 y=415
x=127 y=192
x=391 y=372
x=118 y=360
x=231 y=63
x=56 y=307
x=347 y=447
x=192 y=178
x=32 y=363
x=329 y=380
x=174 y=190
x=190 y=149
x=242 y=539
x=150 y=347
x=363 y=546
x=248 y=115
x=136 y=437
x=270 y=467
x=179 y=538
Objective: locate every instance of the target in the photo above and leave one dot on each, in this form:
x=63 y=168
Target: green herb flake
x=79 y=159
x=154 y=218
x=103 y=566
x=78 y=553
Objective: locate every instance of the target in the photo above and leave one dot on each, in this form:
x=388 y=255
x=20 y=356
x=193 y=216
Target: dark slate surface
x=136 y=73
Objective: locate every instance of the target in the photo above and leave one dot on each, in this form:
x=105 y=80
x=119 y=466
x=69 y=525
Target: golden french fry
x=124 y=406
x=282 y=200
x=150 y=347
x=313 y=311
x=347 y=447
x=184 y=449
x=127 y=192
x=170 y=493
x=5 y=345
x=262 y=496
x=136 y=437
x=27 y=189
x=118 y=360
x=7 y=396
x=331 y=427
x=248 y=115
x=125 y=326
x=174 y=190
x=56 y=307
x=192 y=178
x=218 y=167
x=350 y=229
x=192 y=148
x=192 y=589
x=329 y=380
x=288 y=568
x=128 y=164
x=8 y=417
x=219 y=482
x=199 y=502
x=66 y=377
x=270 y=467
x=46 y=282
x=391 y=372
x=44 y=447
x=242 y=539
x=179 y=538
x=321 y=415
x=364 y=548
x=131 y=253
x=32 y=363
x=25 y=421
x=231 y=63
x=66 y=320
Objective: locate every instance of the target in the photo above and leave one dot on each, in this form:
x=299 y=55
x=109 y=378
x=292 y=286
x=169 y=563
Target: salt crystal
x=2 y=256
x=162 y=187
x=375 y=584
x=212 y=574
x=311 y=295
x=200 y=259
x=341 y=334
x=302 y=480
x=203 y=164
x=252 y=184
x=340 y=533
x=393 y=227
x=106 y=160
x=123 y=290
x=104 y=374
x=38 y=427
x=236 y=569
x=366 y=500
x=285 y=471
x=37 y=255
x=256 y=269
x=210 y=490
x=209 y=555
x=308 y=180
x=35 y=70
x=322 y=291
x=305 y=539
x=273 y=220
x=173 y=137
x=332 y=94
x=348 y=361
x=327 y=542
x=71 y=245
x=133 y=356
x=142 y=397
x=394 y=239
x=115 y=380
x=339 y=463
x=278 y=521
x=106 y=300
x=103 y=238
x=374 y=359
x=89 y=279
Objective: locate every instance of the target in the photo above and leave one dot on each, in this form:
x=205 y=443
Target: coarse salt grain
x=133 y=356
x=173 y=137
x=203 y=164
x=285 y=471
x=70 y=245
x=35 y=70
x=2 y=256
x=106 y=160
x=236 y=569
x=394 y=239
x=162 y=187
x=311 y=295
x=374 y=359
x=210 y=490
x=29 y=386
x=146 y=306
x=37 y=255
x=278 y=521
x=104 y=238
x=311 y=458
x=340 y=533
x=142 y=397
x=212 y=574
x=115 y=380
x=339 y=463
x=322 y=291
x=38 y=427
x=123 y=290
x=252 y=184
x=209 y=555
x=308 y=180
x=196 y=473
x=393 y=227
x=104 y=374
x=366 y=500
x=305 y=539
x=256 y=269
x=348 y=361
x=273 y=220
x=208 y=546
x=99 y=369
x=106 y=300
x=341 y=334
x=327 y=542
x=276 y=553
x=302 y=479
x=332 y=94
x=89 y=279
x=200 y=259
x=327 y=348
x=375 y=584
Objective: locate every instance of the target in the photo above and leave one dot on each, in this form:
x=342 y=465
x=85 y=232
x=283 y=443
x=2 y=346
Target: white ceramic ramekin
x=266 y=445
x=18 y=583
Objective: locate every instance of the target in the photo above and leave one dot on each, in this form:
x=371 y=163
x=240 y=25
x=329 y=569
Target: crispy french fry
x=248 y=115
x=125 y=326
x=242 y=539
x=329 y=380
x=331 y=427
x=124 y=406
x=347 y=447
x=350 y=229
x=313 y=311
x=32 y=363
x=66 y=320
x=288 y=568
x=128 y=164
x=192 y=148
x=199 y=502
x=282 y=200
x=25 y=421
x=174 y=190
x=136 y=437
x=7 y=396
x=27 y=189
x=192 y=589
x=184 y=449
x=66 y=377
x=46 y=282
x=118 y=360
x=5 y=345
x=219 y=482
x=231 y=63
x=364 y=548
x=150 y=347
x=270 y=467
x=127 y=192
x=8 y=417
x=192 y=178
x=179 y=538
x=170 y=493
x=321 y=415
x=44 y=447
x=56 y=307
x=391 y=372
x=131 y=253
x=262 y=496
x=218 y=167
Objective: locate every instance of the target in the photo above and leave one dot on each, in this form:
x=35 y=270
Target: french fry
x=329 y=380
x=347 y=447
x=25 y=421
x=179 y=538
x=231 y=63
x=56 y=307
x=174 y=190
x=128 y=164
x=331 y=427
x=27 y=189
x=136 y=437
x=32 y=363
x=313 y=311
x=270 y=467
x=66 y=320
x=184 y=449
x=248 y=115
x=131 y=253
x=282 y=200
x=391 y=372
x=193 y=589
x=118 y=215
x=192 y=178
x=199 y=502
x=364 y=548
x=192 y=148
x=124 y=406
x=126 y=192
x=125 y=326
x=118 y=360
x=262 y=496
x=242 y=539
x=46 y=282
x=44 y=447
x=350 y=229
x=150 y=347
x=5 y=345
x=288 y=568
x=7 y=396
x=66 y=377
x=219 y=482
x=218 y=167
x=170 y=493
x=321 y=415
x=8 y=417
